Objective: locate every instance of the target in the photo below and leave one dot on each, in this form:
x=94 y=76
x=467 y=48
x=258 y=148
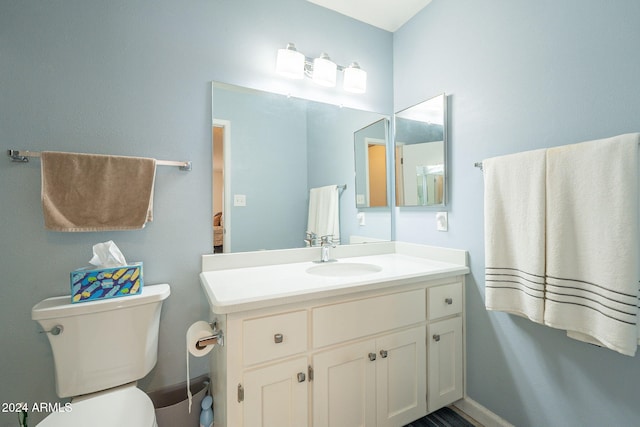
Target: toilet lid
x=128 y=406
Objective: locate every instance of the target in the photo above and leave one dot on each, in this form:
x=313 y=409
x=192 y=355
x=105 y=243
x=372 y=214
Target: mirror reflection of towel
x=324 y=212
x=90 y=192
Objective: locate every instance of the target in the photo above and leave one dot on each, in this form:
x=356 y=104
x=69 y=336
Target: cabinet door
x=401 y=375
x=344 y=386
x=444 y=353
x=277 y=396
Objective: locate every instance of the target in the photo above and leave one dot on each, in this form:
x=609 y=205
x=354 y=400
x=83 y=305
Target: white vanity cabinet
x=379 y=349
x=378 y=358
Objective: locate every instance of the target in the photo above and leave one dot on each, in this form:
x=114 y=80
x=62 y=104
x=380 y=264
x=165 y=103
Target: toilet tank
x=104 y=343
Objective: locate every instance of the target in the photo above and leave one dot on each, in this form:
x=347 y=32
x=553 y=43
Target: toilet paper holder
x=217 y=337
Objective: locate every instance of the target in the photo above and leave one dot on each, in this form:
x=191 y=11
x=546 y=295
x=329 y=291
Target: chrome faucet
x=312 y=239
x=325 y=245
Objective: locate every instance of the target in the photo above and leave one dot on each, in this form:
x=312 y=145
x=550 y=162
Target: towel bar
x=23 y=157
x=478 y=165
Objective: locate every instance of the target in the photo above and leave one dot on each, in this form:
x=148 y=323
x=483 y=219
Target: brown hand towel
x=91 y=192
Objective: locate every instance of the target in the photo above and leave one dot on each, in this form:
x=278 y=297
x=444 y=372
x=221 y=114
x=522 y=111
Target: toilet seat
x=125 y=406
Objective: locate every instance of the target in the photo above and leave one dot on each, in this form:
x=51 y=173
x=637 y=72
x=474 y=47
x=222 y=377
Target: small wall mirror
x=421 y=146
x=370 y=150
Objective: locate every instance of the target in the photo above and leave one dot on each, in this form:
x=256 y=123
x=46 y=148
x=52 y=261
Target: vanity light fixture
x=322 y=70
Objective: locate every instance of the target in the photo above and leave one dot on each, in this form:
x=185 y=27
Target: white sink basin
x=338 y=269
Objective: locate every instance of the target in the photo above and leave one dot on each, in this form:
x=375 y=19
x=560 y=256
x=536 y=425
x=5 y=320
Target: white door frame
x=226 y=173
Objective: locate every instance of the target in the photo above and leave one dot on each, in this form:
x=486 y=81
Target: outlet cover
x=442 y=221
x=239 y=200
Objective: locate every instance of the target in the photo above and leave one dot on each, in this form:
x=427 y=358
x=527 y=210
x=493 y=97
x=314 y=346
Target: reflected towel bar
x=23 y=157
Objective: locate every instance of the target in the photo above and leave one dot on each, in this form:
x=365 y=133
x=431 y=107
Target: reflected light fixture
x=322 y=70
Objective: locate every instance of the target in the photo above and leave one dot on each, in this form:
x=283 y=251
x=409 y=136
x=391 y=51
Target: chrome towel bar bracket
x=22 y=156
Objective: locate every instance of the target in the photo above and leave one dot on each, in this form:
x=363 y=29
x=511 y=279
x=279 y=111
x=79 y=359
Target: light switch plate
x=442 y=221
x=361 y=220
x=239 y=200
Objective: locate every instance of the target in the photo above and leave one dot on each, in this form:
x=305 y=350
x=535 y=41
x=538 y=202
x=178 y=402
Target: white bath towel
x=592 y=241
x=514 y=218
x=324 y=212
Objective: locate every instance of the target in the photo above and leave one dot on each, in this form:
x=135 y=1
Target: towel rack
x=23 y=156
x=478 y=165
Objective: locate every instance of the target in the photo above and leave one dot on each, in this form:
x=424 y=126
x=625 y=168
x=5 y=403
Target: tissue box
x=91 y=283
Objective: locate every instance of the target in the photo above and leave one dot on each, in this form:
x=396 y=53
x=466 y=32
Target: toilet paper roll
x=196 y=331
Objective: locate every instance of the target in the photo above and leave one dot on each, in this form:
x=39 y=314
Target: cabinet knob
x=301 y=377
x=436 y=337
x=383 y=353
x=448 y=301
x=372 y=356
x=277 y=338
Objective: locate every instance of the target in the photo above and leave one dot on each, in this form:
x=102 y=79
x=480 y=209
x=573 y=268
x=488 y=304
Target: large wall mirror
x=269 y=150
x=421 y=146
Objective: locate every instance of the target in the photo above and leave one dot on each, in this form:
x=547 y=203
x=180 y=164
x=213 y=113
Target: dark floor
x=446 y=417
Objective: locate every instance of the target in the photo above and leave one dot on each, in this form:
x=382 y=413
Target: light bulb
x=355 y=79
x=290 y=62
x=324 y=71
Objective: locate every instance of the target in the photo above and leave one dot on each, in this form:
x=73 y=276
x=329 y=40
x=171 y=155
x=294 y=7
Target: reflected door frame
x=399 y=173
x=369 y=141
x=225 y=125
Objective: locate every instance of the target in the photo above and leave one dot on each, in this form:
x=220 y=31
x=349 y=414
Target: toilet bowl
x=100 y=349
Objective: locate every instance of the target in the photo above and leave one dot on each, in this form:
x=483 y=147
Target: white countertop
x=245 y=288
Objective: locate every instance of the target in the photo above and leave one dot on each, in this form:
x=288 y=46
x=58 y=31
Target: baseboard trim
x=480 y=413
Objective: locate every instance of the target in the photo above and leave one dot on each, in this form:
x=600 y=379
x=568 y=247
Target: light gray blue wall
x=133 y=78
x=522 y=75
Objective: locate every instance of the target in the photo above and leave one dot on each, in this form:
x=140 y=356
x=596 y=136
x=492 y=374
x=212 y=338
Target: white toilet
x=100 y=349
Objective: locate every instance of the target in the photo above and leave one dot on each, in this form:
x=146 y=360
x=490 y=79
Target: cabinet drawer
x=444 y=300
x=271 y=337
x=345 y=321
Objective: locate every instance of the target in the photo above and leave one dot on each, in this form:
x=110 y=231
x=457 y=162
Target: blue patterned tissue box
x=90 y=283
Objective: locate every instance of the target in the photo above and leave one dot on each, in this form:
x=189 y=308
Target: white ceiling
x=386 y=14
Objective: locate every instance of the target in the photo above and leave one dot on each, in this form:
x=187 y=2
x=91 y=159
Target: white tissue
x=107 y=255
